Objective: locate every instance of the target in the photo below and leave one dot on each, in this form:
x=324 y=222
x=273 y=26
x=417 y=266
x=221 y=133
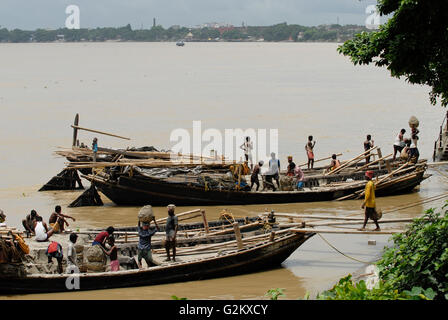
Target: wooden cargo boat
x=138 y=189
x=267 y=252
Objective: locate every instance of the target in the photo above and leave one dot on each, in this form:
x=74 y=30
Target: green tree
x=413 y=43
x=4 y=35
x=419 y=257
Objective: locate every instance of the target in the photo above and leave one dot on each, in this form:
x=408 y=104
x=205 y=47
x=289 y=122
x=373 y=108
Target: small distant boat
x=180 y=43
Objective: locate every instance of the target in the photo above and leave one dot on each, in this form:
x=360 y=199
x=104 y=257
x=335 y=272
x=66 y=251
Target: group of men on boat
x=405 y=147
x=35 y=226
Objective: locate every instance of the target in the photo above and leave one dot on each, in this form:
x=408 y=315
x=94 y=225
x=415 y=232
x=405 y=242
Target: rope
x=336 y=249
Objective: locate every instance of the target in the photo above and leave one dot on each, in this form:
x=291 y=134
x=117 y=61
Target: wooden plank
x=100 y=132
x=239 y=240
x=352 y=161
x=327 y=158
x=354 y=231
x=373 y=162
x=75 y=130
x=204 y=219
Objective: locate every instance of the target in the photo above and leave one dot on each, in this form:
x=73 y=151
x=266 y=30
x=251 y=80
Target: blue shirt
x=95 y=147
x=144 y=242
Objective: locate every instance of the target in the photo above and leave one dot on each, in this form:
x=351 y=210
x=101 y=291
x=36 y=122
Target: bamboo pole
x=179 y=215
x=239 y=240
x=352 y=161
x=100 y=132
x=354 y=231
x=304 y=216
x=327 y=158
x=204 y=219
x=370 y=163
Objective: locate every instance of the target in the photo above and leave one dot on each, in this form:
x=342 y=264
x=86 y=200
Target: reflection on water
x=153 y=88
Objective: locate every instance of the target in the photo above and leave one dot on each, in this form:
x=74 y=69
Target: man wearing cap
x=144 y=244
x=171 y=231
x=369 y=202
x=291 y=167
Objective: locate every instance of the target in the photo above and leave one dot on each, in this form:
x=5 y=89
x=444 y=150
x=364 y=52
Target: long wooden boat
x=261 y=255
x=138 y=189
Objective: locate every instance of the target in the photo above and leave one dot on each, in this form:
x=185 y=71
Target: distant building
x=60 y=37
x=175 y=27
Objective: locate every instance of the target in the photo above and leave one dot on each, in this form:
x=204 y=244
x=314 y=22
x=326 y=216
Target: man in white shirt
x=273 y=172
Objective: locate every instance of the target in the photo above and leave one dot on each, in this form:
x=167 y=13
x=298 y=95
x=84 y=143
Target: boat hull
x=265 y=256
x=131 y=191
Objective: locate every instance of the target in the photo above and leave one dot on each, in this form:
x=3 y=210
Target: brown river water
x=146 y=90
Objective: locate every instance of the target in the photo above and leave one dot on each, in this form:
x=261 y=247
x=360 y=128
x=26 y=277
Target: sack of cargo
x=286 y=183
x=95 y=254
x=79 y=248
x=146 y=214
x=413 y=122
x=378 y=214
x=96 y=266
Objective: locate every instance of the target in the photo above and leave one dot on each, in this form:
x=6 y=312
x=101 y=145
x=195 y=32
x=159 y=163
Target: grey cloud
x=27 y=14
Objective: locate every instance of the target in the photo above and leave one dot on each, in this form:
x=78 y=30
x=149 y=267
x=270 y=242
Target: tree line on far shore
x=278 y=32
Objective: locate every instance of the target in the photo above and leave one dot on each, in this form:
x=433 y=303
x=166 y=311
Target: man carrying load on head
x=369 y=202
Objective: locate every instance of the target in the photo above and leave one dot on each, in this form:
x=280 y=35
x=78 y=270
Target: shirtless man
x=309 y=147
x=28 y=222
x=58 y=220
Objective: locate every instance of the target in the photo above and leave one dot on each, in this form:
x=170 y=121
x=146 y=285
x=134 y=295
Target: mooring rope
x=336 y=249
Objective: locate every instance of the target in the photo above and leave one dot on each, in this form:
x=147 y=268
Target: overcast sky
x=33 y=14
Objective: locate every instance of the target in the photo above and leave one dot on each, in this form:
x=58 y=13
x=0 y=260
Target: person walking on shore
x=369 y=204
x=309 y=147
x=171 y=232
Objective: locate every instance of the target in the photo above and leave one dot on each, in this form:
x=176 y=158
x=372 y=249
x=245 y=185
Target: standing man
x=171 y=232
x=309 y=147
x=72 y=264
x=94 y=148
x=57 y=220
x=144 y=244
x=369 y=202
x=274 y=170
x=399 y=143
x=368 y=144
x=247 y=147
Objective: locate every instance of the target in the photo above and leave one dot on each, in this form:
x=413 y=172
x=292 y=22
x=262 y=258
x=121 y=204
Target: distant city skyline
x=27 y=15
